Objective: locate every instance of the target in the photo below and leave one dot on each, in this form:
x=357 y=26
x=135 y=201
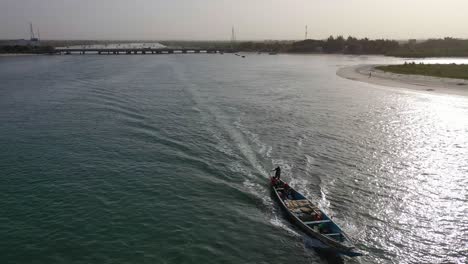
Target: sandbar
x=369 y=74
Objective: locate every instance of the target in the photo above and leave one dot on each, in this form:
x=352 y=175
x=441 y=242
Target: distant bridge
x=117 y=51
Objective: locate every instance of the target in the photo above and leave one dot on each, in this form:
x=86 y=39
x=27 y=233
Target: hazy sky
x=252 y=19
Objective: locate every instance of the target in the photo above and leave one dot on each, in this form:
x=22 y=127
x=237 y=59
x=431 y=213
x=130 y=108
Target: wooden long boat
x=313 y=221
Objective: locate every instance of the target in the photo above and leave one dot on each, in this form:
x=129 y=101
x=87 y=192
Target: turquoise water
x=165 y=159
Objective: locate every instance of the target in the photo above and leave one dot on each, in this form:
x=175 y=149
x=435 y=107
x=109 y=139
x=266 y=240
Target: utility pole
x=31 y=31
x=305 y=32
x=233 y=37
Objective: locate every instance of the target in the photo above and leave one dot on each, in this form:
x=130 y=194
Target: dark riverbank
x=455 y=71
x=17 y=49
x=447 y=47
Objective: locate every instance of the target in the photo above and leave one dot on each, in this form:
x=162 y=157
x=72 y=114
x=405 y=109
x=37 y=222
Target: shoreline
x=17 y=54
x=422 y=83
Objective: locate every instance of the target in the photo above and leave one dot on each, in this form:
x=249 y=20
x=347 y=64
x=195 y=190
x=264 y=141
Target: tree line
x=332 y=44
x=449 y=47
x=446 y=47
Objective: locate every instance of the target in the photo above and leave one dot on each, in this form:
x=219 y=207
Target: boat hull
x=321 y=241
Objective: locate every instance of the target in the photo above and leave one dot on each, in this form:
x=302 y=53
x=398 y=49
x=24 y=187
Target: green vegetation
x=350 y=45
x=457 y=71
x=266 y=46
x=247 y=46
x=447 y=47
x=196 y=44
x=330 y=45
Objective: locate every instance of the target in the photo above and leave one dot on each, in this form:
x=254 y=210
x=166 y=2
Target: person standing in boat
x=277 y=172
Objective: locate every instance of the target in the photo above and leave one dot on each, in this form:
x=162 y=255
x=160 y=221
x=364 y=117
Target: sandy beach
x=413 y=82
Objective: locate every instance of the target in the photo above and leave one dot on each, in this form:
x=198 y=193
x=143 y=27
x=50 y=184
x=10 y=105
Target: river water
x=165 y=159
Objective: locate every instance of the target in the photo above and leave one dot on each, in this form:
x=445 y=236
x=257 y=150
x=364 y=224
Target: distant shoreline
x=414 y=82
x=17 y=54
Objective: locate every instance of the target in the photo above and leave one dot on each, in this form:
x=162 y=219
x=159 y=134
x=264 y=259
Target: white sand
x=414 y=82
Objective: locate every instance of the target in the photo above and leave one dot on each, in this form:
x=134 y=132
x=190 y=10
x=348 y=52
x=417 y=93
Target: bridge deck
x=137 y=50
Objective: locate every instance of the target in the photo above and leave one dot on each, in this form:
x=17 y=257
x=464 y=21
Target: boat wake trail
x=226 y=134
x=246 y=152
